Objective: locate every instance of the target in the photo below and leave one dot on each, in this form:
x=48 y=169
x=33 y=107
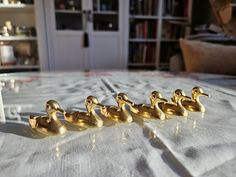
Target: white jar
x=7 y=56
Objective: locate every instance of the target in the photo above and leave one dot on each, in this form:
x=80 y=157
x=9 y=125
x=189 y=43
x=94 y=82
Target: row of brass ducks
x=158 y=108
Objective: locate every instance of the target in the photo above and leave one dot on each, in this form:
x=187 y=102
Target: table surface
x=199 y=145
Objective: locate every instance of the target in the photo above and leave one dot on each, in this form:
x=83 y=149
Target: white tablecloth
x=199 y=145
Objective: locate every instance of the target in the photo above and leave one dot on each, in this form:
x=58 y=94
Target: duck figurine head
x=194 y=103
x=122 y=99
x=91 y=103
x=118 y=113
x=177 y=94
x=52 y=107
x=50 y=123
x=86 y=119
x=156 y=97
x=175 y=107
x=198 y=91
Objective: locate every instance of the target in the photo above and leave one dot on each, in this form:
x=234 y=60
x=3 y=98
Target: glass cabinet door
x=68 y=14
x=105 y=15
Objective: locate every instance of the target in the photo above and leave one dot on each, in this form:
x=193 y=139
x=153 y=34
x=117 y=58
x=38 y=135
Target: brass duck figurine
x=50 y=124
x=175 y=107
x=152 y=111
x=86 y=119
x=118 y=113
x=194 y=103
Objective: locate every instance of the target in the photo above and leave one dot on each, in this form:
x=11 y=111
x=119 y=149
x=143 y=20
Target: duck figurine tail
x=50 y=123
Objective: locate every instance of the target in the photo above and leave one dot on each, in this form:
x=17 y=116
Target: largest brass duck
x=50 y=124
x=86 y=119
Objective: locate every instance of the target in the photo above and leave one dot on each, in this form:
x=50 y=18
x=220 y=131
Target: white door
x=65 y=33
x=85 y=34
x=106 y=31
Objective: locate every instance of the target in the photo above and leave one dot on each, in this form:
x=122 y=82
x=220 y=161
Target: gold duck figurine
x=50 y=124
x=152 y=111
x=194 y=103
x=118 y=113
x=175 y=107
x=86 y=119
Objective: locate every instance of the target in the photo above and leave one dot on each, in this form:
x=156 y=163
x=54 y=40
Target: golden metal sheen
x=194 y=103
x=118 y=113
x=50 y=124
x=175 y=107
x=152 y=111
x=86 y=119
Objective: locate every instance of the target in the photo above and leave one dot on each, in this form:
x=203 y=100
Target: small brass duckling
x=118 y=113
x=194 y=103
x=175 y=107
x=152 y=111
x=86 y=119
x=50 y=124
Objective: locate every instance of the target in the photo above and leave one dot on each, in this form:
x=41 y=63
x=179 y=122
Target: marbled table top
x=199 y=145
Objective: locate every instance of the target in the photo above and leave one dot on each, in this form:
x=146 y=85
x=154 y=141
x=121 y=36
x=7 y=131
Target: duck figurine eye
x=118 y=113
x=50 y=123
x=194 y=103
x=86 y=119
x=152 y=111
x=175 y=107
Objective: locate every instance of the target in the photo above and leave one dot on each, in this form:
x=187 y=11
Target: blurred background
x=55 y=35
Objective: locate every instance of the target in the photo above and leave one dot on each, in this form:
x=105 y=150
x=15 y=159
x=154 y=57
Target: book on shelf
x=175 y=29
x=178 y=8
x=142 y=53
x=144 y=7
x=143 y=29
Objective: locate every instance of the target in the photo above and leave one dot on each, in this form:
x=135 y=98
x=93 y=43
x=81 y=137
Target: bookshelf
x=155 y=27
x=19 y=38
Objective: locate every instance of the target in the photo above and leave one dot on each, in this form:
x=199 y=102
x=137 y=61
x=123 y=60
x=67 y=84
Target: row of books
x=143 y=29
x=175 y=29
x=144 y=7
x=168 y=50
x=142 y=53
x=175 y=8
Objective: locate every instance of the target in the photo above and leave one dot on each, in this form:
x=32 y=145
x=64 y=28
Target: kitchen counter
x=199 y=145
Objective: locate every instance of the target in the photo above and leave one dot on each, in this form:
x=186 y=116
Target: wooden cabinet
x=21 y=38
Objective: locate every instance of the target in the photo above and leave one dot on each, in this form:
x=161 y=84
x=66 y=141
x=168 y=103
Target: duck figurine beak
x=129 y=102
x=60 y=110
x=204 y=94
x=100 y=105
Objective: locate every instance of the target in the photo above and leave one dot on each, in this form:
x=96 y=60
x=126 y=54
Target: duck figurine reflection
x=175 y=107
x=152 y=111
x=118 y=113
x=86 y=119
x=194 y=103
x=50 y=124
